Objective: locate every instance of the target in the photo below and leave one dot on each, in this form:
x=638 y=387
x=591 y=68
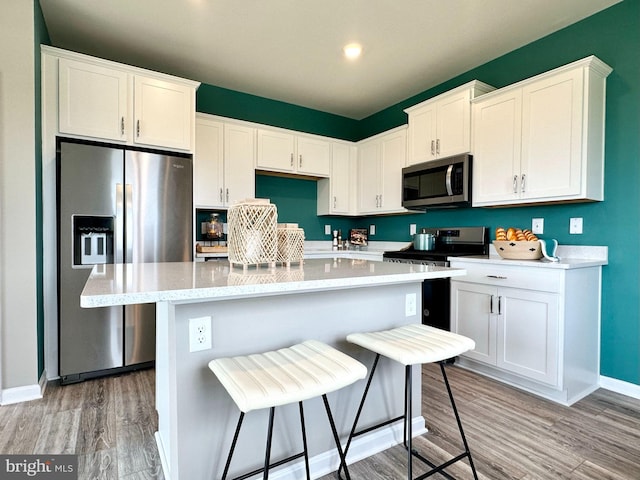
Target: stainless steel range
x=449 y=242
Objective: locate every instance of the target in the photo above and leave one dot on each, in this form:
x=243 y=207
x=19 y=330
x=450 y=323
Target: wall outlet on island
x=410 y=305
x=199 y=334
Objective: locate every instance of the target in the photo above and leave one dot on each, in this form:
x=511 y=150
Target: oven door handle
x=448 y=180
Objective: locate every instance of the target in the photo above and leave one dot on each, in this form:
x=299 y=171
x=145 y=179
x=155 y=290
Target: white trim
x=327 y=462
x=618 y=386
x=21 y=394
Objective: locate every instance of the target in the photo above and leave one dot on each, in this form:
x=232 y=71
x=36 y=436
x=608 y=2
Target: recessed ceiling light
x=352 y=51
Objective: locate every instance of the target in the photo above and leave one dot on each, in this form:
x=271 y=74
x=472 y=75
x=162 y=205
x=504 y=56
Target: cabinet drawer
x=531 y=278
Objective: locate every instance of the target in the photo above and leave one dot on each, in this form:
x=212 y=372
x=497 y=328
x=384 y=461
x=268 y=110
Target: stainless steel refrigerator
x=115 y=205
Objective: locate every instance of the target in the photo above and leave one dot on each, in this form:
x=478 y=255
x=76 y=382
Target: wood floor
x=110 y=423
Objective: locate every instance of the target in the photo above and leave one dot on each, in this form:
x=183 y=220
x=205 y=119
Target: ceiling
x=291 y=50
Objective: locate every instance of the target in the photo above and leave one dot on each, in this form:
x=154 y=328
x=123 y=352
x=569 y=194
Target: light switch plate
x=575 y=225
x=537 y=226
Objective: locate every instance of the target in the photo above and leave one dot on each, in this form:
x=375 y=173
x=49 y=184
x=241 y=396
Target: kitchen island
x=254 y=311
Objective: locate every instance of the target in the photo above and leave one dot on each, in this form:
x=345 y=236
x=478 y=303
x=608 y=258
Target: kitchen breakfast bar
x=257 y=310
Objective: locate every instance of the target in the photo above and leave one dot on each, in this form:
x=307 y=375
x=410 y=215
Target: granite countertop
x=570 y=257
x=127 y=284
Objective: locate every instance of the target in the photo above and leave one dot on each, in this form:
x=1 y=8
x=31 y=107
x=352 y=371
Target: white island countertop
x=128 y=284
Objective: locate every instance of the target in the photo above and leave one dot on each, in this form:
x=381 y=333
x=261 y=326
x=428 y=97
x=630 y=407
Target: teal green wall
x=614 y=36
x=41 y=35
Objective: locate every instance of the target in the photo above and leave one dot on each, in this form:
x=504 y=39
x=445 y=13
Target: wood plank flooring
x=109 y=423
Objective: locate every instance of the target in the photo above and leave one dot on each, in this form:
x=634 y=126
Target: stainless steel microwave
x=445 y=182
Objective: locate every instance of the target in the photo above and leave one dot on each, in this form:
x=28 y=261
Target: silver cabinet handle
x=497 y=276
x=491 y=304
x=377 y=201
x=292 y=159
x=227 y=195
x=221 y=197
x=300 y=164
x=499 y=304
x=438 y=146
x=380 y=200
x=122 y=126
x=515 y=184
x=523 y=183
x=433 y=148
x=334 y=201
x=138 y=129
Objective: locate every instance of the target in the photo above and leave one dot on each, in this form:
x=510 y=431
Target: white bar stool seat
x=411 y=345
x=289 y=375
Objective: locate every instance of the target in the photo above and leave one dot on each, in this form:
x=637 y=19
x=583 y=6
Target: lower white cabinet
x=535 y=328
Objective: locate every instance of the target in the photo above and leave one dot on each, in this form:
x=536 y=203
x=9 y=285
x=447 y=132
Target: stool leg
x=455 y=411
x=343 y=461
x=407 y=421
x=233 y=446
x=304 y=442
x=267 y=455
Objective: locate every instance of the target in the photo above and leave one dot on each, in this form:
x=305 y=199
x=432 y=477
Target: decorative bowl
x=514 y=250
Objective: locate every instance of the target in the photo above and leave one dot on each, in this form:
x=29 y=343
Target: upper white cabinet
x=283 y=151
x=223 y=162
x=105 y=100
x=542 y=139
x=441 y=126
x=380 y=162
x=336 y=195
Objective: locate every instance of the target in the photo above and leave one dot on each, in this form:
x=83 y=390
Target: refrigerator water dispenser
x=92 y=240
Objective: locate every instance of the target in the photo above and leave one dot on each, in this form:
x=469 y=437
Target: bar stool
x=289 y=375
x=411 y=345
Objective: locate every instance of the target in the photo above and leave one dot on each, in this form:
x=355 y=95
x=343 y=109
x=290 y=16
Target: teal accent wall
x=41 y=36
x=614 y=36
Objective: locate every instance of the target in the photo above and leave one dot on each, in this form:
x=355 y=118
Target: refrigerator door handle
x=128 y=216
x=118 y=239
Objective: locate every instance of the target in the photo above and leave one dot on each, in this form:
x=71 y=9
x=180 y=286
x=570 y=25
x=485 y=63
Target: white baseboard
x=24 y=393
x=327 y=462
x=618 y=386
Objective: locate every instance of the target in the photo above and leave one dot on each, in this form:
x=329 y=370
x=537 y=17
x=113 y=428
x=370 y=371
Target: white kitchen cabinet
x=336 y=193
x=104 y=100
x=380 y=162
x=536 y=328
x=223 y=162
x=542 y=139
x=441 y=126
x=283 y=151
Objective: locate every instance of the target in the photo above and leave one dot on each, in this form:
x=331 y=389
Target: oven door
x=436 y=304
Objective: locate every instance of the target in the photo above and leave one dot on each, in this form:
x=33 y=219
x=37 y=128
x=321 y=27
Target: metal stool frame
x=267 y=460
x=406 y=417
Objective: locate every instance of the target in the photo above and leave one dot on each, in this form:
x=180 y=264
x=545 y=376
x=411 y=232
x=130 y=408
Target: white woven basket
x=290 y=244
x=252 y=238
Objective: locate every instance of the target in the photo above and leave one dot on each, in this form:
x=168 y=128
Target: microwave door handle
x=448 y=180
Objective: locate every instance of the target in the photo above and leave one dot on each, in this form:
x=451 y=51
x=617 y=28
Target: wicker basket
x=290 y=244
x=252 y=238
x=513 y=250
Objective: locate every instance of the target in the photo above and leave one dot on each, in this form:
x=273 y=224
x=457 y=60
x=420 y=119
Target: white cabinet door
x=497 y=133
x=163 y=113
x=335 y=194
x=239 y=161
x=313 y=156
x=422 y=134
x=208 y=164
x=474 y=315
x=92 y=100
x=453 y=126
x=528 y=334
x=551 y=137
x=276 y=151
x=393 y=159
x=369 y=171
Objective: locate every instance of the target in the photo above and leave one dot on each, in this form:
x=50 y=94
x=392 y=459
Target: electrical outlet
x=410 y=305
x=537 y=226
x=327 y=229
x=412 y=229
x=575 y=225
x=199 y=334
x=372 y=229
